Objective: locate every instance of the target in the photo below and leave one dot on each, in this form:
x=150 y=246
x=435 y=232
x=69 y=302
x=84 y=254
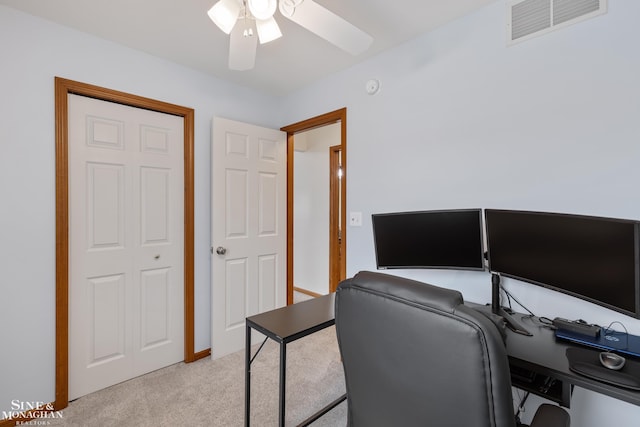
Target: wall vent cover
x=531 y=18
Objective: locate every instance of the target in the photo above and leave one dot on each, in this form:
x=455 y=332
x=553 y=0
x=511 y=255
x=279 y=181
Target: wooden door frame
x=336 y=270
x=305 y=125
x=64 y=87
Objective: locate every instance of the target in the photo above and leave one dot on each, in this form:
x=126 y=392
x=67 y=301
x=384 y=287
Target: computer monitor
x=440 y=239
x=593 y=258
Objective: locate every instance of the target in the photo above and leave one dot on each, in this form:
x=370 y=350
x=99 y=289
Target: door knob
x=220 y=250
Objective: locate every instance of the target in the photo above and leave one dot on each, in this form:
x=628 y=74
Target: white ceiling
x=181 y=31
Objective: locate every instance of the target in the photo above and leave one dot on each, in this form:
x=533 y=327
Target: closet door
x=126 y=243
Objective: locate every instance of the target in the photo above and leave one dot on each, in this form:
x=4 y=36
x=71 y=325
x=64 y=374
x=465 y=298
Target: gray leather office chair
x=414 y=355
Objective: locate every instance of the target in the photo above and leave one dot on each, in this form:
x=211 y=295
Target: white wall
x=311 y=208
x=461 y=120
x=32 y=52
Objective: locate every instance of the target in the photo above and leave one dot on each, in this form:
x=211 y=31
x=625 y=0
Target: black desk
x=540 y=356
x=545 y=356
x=285 y=325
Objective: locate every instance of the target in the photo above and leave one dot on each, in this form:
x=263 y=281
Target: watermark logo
x=31 y=413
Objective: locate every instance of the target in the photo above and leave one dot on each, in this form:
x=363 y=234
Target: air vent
x=531 y=18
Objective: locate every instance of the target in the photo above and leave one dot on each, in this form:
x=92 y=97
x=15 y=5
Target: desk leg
x=283 y=368
x=247 y=378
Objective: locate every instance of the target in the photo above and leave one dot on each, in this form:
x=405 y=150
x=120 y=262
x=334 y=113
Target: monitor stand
x=496 y=308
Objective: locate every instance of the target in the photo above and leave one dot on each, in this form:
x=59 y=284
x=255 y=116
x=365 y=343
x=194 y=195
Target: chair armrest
x=550 y=416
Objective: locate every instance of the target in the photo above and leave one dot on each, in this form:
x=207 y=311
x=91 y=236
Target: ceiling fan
x=239 y=18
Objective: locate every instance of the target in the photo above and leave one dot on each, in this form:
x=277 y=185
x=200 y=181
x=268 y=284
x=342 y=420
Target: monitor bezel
x=481 y=255
x=636 y=231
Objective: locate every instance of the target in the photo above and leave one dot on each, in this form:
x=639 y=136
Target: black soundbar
x=577 y=327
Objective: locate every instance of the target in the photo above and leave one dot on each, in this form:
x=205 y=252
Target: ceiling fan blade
x=242 y=48
x=326 y=24
x=268 y=30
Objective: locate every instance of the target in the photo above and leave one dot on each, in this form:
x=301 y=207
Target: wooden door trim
x=64 y=87
x=302 y=126
x=335 y=272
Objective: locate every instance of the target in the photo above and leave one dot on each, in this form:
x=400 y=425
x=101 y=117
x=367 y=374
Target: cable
x=609 y=331
x=521 y=408
x=509 y=296
x=608 y=328
x=547 y=322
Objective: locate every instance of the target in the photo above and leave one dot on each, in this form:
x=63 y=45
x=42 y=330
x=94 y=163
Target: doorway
x=338 y=253
x=336 y=226
x=64 y=88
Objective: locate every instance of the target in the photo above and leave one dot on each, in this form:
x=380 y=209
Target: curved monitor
x=592 y=258
x=429 y=239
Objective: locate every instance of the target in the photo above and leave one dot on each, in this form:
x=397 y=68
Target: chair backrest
x=415 y=355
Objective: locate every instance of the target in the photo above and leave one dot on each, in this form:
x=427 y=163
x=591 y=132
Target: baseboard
x=200 y=355
x=307 y=292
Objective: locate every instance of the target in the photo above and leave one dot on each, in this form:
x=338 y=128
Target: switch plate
x=355 y=219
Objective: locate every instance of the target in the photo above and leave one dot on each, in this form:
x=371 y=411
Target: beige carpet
x=211 y=392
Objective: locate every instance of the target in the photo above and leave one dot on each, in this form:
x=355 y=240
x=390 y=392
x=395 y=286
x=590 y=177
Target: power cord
x=608 y=329
x=510 y=297
x=545 y=322
x=521 y=409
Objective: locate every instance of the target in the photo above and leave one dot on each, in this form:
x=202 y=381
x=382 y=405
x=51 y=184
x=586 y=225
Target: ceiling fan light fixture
x=262 y=9
x=225 y=14
x=268 y=30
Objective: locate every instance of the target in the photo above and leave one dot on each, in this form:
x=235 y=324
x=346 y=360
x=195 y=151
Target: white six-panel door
x=126 y=237
x=248 y=228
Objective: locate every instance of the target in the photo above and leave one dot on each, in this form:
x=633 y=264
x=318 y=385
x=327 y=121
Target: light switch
x=355 y=219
